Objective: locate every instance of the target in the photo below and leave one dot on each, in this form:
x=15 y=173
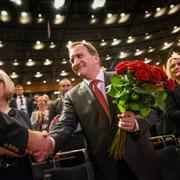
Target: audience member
x=34 y=102
x=21 y=102
x=55 y=108
x=173 y=99
x=40 y=117
x=12 y=167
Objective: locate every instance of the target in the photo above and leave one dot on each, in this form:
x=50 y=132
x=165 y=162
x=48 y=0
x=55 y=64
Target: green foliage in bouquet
x=137 y=87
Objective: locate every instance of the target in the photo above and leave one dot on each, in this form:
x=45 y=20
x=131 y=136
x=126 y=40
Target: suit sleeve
x=13 y=136
x=146 y=123
x=66 y=126
x=172 y=108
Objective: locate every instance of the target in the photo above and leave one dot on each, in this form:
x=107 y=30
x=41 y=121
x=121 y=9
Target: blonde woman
x=173 y=99
x=13 y=167
x=40 y=118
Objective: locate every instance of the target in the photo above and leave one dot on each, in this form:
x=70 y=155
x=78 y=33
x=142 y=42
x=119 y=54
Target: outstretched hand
x=39 y=145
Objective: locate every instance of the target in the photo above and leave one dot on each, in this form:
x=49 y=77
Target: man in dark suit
x=55 y=108
x=99 y=125
x=21 y=102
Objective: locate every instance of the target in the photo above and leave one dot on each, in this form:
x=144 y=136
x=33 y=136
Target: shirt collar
x=99 y=77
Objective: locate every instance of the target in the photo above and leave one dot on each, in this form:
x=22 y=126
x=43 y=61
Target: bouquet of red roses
x=137 y=87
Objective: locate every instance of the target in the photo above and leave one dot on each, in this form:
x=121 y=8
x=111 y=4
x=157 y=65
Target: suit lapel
x=87 y=93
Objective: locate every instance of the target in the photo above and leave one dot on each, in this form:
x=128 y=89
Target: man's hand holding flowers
x=128 y=122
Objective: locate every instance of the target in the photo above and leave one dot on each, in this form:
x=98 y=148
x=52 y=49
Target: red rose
x=155 y=75
x=121 y=67
x=142 y=75
x=135 y=65
x=169 y=85
x=164 y=76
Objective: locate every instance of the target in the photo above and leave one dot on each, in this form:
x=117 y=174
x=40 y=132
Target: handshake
x=39 y=145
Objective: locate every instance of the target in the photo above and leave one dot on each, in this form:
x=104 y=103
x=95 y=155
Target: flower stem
x=117 y=148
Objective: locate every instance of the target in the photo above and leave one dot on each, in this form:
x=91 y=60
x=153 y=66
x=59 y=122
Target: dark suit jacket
x=13 y=135
x=29 y=104
x=173 y=109
x=22 y=169
x=55 y=108
x=80 y=105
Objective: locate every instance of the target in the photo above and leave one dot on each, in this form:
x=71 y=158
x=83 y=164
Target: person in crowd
x=34 y=103
x=47 y=99
x=173 y=98
x=55 y=107
x=99 y=125
x=21 y=102
x=77 y=139
x=40 y=117
x=13 y=167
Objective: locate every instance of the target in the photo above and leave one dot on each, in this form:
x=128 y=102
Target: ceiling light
x=18 y=2
x=1 y=63
x=59 y=3
x=30 y=62
x=166 y=45
x=1 y=44
x=160 y=12
x=4 y=16
x=157 y=63
x=72 y=79
x=147 y=36
x=123 y=18
x=115 y=42
x=47 y=62
x=98 y=3
x=25 y=18
x=44 y=81
x=108 y=57
x=130 y=39
x=38 y=45
x=175 y=29
x=147 y=14
x=64 y=61
x=138 y=52
x=28 y=82
x=111 y=19
x=146 y=60
x=171 y=6
x=40 y=18
x=63 y=73
x=15 y=63
x=93 y=19
x=158 y=9
x=52 y=45
x=123 y=55
x=150 y=49
x=174 y=9
x=14 y=75
x=103 y=43
x=57 y=80
x=38 y=75
x=59 y=19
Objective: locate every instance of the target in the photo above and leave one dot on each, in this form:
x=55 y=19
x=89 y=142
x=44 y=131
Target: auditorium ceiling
x=34 y=34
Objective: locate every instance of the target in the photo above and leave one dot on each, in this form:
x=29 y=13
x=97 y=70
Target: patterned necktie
x=100 y=97
x=21 y=101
